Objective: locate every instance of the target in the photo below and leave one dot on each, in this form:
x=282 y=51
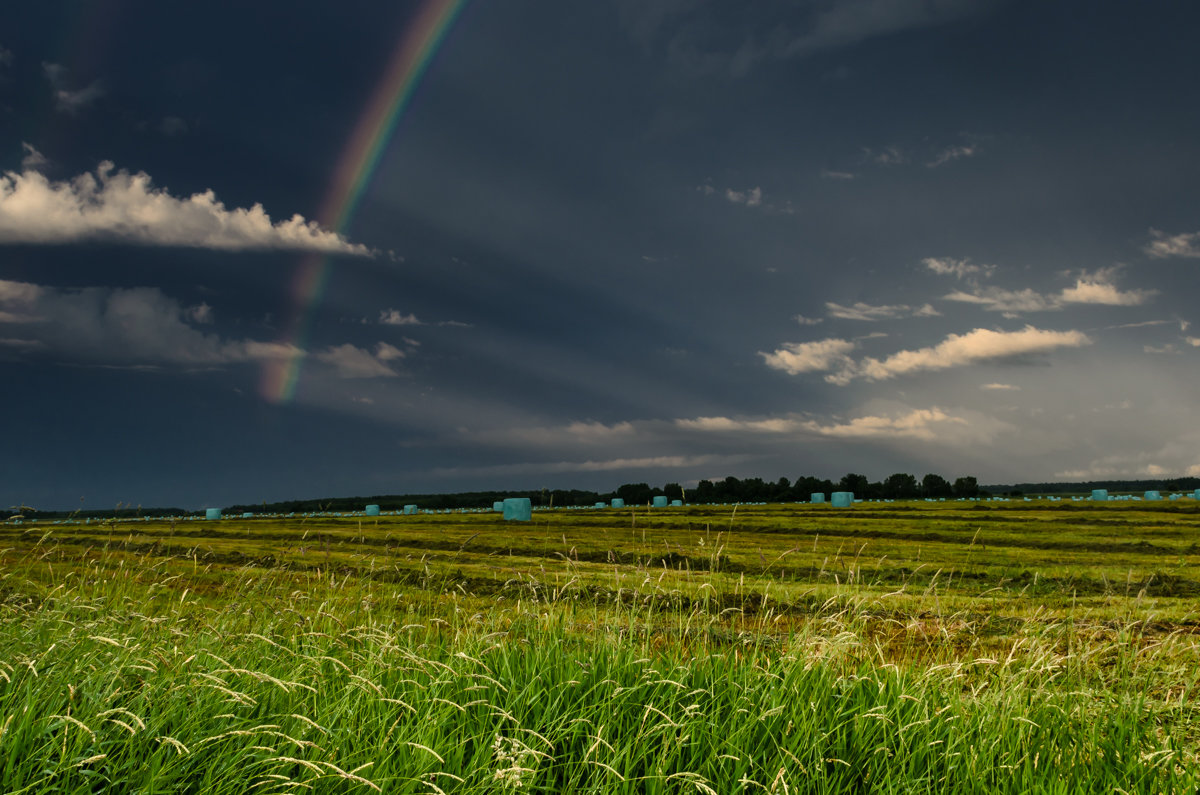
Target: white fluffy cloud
x=1096 y=289
x=1163 y=245
x=1000 y=388
x=961 y=268
x=128 y=208
x=729 y=425
x=931 y=424
x=955 y=351
x=804 y=357
x=962 y=349
x=864 y=311
x=388 y=353
x=750 y=198
x=394 y=317
x=996 y=299
x=917 y=424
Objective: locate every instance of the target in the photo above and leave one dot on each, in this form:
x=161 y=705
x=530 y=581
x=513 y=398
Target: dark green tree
x=635 y=493
x=782 y=491
x=808 y=485
x=754 y=490
x=966 y=487
x=936 y=486
x=854 y=482
x=900 y=486
x=731 y=489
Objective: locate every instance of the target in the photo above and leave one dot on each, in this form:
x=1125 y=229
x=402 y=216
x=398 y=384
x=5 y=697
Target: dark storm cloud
x=661 y=240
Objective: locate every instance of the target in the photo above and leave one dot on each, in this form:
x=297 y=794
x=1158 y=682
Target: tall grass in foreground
x=121 y=683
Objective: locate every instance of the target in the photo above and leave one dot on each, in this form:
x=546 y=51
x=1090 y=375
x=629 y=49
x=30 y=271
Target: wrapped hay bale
x=518 y=509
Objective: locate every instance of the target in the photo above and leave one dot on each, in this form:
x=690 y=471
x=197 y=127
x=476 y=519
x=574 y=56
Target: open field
x=904 y=647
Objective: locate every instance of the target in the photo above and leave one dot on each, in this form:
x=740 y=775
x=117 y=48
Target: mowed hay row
x=1050 y=552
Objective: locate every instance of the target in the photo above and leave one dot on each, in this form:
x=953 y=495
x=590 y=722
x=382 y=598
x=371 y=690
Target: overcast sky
x=607 y=242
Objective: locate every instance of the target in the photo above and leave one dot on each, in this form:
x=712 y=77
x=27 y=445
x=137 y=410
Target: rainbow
x=359 y=159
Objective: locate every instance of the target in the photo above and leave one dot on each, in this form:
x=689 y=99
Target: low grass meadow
x=909 y=647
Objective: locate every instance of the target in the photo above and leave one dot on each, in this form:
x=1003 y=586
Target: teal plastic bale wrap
x=409 y=510
x=660 y=502
x=498 y=506
x=371 y=510
x=600 y=505
x=676 y=503
x=1196 y=494
x=518 y=509
x=212 y=513
x=1152 y=495
x=247 y=515
x=618 y=502
x=842 y=499
x=816 y=497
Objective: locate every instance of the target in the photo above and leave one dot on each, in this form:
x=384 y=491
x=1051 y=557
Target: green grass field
x=906 y=647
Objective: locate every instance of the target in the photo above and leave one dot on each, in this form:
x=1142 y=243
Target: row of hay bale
x=1102 y=495
x=520 y=508
x=213 y=514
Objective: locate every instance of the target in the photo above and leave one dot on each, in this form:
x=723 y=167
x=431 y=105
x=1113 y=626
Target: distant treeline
x=900 y=486
x=731 y=489
x=1171 y=484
